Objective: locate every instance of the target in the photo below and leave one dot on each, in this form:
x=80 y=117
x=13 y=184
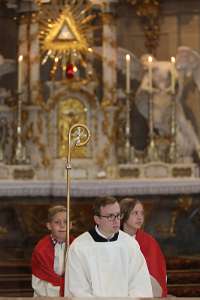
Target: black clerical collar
x=98 y=238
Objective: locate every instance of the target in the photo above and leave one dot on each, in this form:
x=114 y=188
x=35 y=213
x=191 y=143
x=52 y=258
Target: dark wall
x=8 y=44
x=173 y=220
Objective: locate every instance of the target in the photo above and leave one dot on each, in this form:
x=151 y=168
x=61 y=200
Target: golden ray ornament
x=64 y=30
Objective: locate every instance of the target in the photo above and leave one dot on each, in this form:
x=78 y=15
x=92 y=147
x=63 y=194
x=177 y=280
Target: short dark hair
x=101 y=202
x=54 y=210
x=126 y=206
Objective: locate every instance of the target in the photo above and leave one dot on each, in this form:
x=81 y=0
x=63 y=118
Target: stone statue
x=187 y=64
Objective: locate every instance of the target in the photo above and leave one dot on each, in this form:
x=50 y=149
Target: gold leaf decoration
x=65 y=35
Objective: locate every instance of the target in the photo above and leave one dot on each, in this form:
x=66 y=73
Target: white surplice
x=106 y=269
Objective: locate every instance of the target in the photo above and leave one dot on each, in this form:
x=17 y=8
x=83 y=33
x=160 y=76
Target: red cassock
x=154 y=258
x=42 y=263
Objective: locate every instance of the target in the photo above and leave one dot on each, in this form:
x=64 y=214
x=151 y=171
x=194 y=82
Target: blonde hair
x=54 y=210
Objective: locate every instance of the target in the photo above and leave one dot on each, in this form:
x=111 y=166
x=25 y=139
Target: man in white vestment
x=106 y=262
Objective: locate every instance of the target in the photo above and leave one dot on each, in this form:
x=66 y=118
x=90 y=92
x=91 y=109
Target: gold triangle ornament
x=64 y=35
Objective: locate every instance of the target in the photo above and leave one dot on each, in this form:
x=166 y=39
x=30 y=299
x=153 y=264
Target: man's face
x=57 y=226
x=109 y=220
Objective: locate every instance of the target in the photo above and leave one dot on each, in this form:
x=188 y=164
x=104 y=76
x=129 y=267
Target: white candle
x=20 y=73
x=128 y=59
x=150 y=59
x=173 y=75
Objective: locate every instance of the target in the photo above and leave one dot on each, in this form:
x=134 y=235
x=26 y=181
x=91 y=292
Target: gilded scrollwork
x=62 y=87
x=64 y=35
x=149 y=13
x=109 y=131
x=35 y=134
x=70 y=112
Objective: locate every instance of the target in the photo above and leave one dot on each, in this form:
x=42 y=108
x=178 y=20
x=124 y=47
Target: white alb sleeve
x=43 y=288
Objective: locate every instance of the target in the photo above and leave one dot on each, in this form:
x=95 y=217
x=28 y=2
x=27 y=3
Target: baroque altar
x=142 y=111
x=94 y=85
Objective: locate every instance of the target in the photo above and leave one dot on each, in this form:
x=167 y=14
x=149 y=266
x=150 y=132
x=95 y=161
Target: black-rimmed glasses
x=112 y=217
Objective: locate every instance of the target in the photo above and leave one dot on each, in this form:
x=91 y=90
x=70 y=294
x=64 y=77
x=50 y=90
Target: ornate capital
x=149 y=11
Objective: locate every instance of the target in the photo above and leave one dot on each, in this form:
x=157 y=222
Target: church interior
x=128 y=73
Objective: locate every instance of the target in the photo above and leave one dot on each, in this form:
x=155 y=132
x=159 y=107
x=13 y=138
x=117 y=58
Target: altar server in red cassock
x=132 y=220
x=48 y=256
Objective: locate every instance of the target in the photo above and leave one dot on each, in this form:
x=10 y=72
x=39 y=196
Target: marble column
x=107 y=153
x=23 y=50
x=34 y=59
x=28 y=46
x=109 y=55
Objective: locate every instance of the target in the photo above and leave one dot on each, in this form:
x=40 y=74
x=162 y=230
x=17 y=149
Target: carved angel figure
x=187 y=65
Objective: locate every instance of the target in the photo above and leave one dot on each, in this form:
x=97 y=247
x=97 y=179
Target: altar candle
x=128 y=59
x=173 y=75
x=20 y=73
x=150 y=59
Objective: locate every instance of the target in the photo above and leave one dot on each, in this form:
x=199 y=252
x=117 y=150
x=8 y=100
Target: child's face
x=136 y=218
x=57 y=226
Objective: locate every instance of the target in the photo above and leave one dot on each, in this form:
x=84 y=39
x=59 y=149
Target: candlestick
x=20 y=73
x=173 y=75
x=19 y=118
x=20 y=155
x=128 y=59
x=150 y=59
